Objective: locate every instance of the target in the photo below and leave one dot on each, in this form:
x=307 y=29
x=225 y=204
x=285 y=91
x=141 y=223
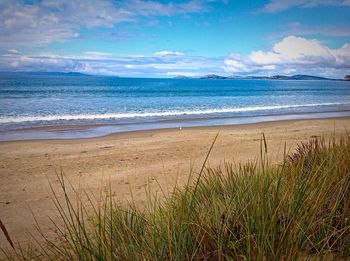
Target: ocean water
x=30 y=101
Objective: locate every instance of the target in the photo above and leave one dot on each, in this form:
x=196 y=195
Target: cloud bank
x=160 y=64
x=292 y=55
x=281 y=5
x=41 y=22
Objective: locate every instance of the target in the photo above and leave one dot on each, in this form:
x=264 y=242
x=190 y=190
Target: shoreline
x=131 y=163
x=150 y=132
x=68 y=132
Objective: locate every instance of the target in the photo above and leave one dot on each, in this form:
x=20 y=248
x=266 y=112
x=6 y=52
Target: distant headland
x=274 y=77
x=207 y=76
x=46 y=73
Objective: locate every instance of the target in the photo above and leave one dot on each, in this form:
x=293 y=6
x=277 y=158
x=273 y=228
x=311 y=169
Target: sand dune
x=130 y=162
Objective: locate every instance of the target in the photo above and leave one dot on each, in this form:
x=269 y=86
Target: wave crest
x=105 y=116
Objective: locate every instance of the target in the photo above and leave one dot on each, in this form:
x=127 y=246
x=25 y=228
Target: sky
x=137 y=38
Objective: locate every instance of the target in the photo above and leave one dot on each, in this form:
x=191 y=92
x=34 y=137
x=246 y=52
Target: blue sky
x=168 y=38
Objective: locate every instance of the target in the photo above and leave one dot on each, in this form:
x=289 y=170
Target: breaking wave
x=105 y=116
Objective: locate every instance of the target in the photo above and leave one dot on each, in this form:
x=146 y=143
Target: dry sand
x=131 y=162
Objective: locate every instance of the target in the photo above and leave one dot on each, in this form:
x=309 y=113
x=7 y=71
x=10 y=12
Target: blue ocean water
x=28 y=101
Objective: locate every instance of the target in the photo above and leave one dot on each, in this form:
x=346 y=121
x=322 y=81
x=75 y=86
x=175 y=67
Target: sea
x=41 y=106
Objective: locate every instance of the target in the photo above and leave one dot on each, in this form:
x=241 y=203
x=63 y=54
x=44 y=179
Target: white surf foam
x=19 y=119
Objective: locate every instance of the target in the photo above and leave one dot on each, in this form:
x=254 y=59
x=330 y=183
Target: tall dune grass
x=299 y=209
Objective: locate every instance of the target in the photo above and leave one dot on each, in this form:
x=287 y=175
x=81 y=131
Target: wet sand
x=64 y=131
x=130 y=162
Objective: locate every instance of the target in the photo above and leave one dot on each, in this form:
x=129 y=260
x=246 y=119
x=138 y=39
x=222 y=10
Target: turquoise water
x=29 y=101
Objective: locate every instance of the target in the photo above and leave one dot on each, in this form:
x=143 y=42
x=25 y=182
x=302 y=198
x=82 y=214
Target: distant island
x=274 y=77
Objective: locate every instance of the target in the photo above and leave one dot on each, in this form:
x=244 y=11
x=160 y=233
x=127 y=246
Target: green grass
x=299 y=209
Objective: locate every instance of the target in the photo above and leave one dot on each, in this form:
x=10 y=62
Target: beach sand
x=131 y=162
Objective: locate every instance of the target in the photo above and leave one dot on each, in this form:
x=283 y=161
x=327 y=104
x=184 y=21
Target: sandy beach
x=130 y=162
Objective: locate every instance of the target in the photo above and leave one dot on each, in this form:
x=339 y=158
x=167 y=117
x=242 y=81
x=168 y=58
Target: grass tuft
x=299 y=209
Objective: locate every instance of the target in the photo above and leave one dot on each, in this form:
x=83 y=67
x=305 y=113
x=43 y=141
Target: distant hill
x=182 y=77
x=275 y=77
x=208 y=76
x=284 y=77
x=308 y=77
x=47 y=73
x=212 y=76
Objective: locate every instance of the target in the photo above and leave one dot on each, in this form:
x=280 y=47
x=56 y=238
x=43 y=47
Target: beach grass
x=298 y=209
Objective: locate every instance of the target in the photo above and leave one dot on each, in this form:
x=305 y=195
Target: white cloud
x=168 y=53
x=56 y=20
x=92 y=62
x=96 y=55
x=293 y=55
x=296 y=28
x=236 y=63
x=281 y=5
x=12 y=51
x=148 y=8
x=182 y=73
x=293 y=50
